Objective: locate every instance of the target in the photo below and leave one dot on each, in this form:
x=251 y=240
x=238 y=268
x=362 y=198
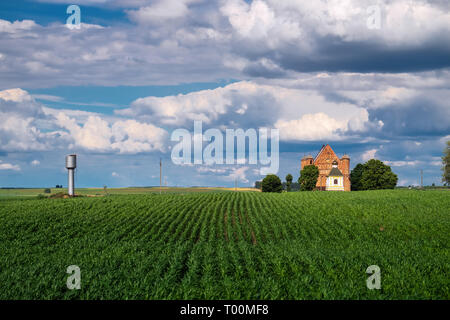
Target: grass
x=33 y=192
x=228 y=245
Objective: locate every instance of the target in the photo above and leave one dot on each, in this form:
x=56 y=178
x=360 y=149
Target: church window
x=335 y=181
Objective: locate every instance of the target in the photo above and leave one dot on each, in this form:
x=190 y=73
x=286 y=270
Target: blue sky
x=113 y=91
x=105 y=99
x=55 y=11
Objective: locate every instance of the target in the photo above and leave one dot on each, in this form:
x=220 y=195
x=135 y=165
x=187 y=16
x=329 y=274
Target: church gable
x=327 y=177
x=326 y=154
x=324 y=160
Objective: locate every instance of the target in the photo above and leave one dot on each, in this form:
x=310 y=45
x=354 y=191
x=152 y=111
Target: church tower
x=307 y=161
x=345 y=168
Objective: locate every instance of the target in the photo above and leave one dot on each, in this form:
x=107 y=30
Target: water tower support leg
x=71 y=184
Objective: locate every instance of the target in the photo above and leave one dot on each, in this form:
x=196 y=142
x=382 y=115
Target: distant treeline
x=424 y=187
x=295 y=186
x=34 y=188
x=17 y=188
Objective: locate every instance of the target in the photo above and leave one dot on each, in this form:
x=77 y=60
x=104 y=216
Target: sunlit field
x=226 y=245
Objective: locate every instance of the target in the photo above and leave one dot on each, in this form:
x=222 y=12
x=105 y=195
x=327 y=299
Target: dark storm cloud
x=326 y=37
x=334 y=96
x=420 y=117
x=258 y=69
x=414 y=149
x=333 y=54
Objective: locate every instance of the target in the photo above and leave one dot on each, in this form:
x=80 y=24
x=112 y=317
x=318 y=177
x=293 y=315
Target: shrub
x=355 y=177
x=47 y=191
x=289 y=182
x=376 y=175
x=308 y=178
x=446 y=165
x=271 y=183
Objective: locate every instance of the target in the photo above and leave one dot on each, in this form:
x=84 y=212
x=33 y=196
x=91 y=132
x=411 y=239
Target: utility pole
x=160 y=175
x=235 y=185
x=421 y=179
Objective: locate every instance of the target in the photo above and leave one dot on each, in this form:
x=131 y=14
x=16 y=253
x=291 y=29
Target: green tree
x=289 y=179
x=271 y=183
x=355 y=177
x=446 y=165
x=377 y=175
x=308 y=178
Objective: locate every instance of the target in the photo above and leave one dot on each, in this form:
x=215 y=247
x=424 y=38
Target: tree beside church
x=373 y=175
x=308 y=178
x=446 y=165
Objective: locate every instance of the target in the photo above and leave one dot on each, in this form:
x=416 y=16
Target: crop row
x=229 y=245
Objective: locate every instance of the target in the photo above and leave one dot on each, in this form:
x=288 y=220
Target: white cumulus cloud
x=123 y=136
x=9 y=166
x=310 y=127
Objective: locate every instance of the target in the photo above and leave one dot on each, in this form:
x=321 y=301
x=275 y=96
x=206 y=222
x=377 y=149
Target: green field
x=228 y=245
x=33 y=192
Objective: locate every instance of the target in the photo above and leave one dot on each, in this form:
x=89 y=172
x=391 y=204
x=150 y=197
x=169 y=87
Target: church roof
x=335 y=172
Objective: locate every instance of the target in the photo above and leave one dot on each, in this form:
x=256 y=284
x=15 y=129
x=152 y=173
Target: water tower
x=71 y=164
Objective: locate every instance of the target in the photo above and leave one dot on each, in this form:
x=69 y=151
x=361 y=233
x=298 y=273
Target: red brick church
x=334 y=173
